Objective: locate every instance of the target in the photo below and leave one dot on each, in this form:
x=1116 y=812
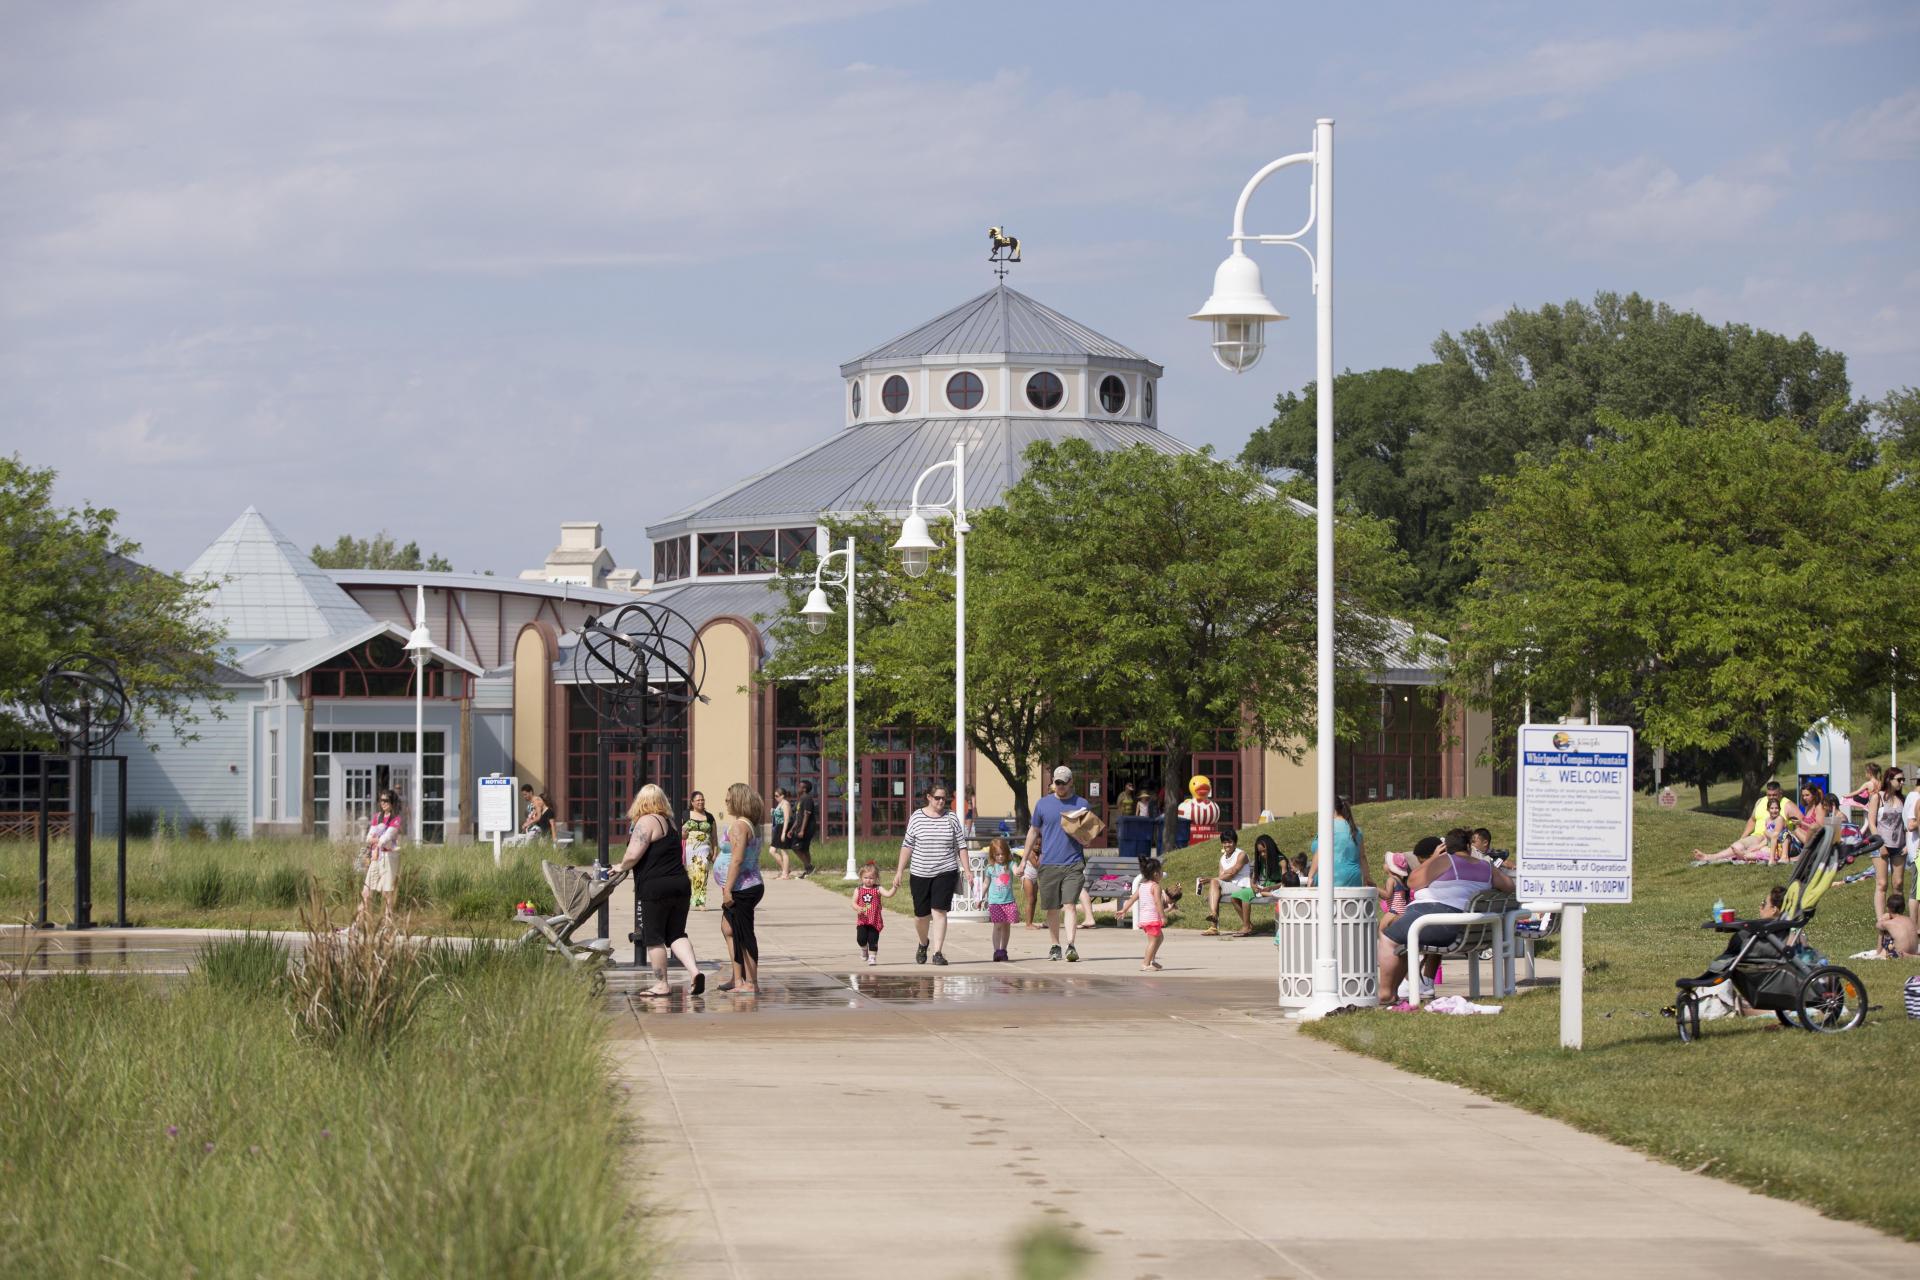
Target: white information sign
x=495 y=809
x=1575 y=839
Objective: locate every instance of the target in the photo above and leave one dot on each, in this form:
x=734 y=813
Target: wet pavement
x=166 y=953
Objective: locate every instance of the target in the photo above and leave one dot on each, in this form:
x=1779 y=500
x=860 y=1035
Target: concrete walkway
x=914 y=1121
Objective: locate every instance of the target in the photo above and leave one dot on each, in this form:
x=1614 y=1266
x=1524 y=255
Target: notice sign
x=1575 y=841
x=495 y=810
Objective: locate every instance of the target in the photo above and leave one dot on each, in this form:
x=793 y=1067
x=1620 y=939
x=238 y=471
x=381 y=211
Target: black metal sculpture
x=640 y=669
x=86 y=708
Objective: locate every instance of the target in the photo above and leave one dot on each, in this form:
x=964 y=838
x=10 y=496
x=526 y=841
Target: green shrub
x=196 y=830
x=361 y=987
x=410 y=888
x=141 y=823
x=284 y=886
x=227 y=827
x=450 y=883
x=480 y=904
x=205 y=887
x=253 y=964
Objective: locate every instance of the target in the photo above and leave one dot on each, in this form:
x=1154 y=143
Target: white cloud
x=1563 y=69
x=136 y=442
x=1888 y=130
x=1645 y=202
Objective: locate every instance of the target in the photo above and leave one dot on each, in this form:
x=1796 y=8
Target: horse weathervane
x=1006 y=249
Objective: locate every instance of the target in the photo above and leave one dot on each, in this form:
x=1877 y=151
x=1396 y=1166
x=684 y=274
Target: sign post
x=1575 y=839
x=495 y=808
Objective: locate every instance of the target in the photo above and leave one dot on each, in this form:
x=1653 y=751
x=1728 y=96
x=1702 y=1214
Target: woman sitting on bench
x=1446 y=882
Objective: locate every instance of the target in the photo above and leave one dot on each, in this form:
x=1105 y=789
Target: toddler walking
x=1002 y=910
x=1149 y=906
x=868 y=919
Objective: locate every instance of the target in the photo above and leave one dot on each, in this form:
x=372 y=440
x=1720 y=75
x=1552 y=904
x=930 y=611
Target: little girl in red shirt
x=867 y=912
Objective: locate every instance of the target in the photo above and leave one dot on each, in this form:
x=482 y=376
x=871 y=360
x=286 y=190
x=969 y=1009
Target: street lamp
x=419 y=648
x=1239 y=312
x=915 y=546
x=817 y=611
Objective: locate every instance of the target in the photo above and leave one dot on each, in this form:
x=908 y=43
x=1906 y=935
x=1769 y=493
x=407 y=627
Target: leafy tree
x=1181 y=590
x=1728 y=580
x=68 y=582
x=1415 y=448
x=1896 y=426
x=377 y=552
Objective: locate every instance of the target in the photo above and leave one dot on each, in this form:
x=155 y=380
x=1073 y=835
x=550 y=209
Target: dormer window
x=1146 y=400
x=856 y=399
x=1113 y=394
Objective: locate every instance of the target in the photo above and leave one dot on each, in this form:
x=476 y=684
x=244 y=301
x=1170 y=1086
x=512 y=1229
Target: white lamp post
x=419 y=648
x=1239 y=312
x=915 y=546
x=817 y=611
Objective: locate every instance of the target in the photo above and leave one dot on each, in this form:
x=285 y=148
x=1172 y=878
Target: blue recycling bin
x=1136 y=837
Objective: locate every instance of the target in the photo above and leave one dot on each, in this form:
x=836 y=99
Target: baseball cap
x=1063 y=774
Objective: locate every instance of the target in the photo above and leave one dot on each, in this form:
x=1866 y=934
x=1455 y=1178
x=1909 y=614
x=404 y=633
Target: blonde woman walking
x=737 y=871
x=661 y=888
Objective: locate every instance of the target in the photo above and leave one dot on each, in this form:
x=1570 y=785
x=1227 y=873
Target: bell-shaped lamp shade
x=420 y=644
x=1238 y=311
x=915 y=546
x=816 y=610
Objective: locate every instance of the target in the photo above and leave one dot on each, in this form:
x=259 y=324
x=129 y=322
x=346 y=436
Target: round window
x=894 y=394
x=1146 y=400
x=1113 y=394
x=1044 y=391
x=856 y=399
x=964 y=390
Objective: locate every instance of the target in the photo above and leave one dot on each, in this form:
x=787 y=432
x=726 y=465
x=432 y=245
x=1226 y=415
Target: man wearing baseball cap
x=1062 y=862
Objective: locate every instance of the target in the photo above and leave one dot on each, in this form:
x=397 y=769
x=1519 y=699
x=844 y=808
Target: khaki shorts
x=1060 y=886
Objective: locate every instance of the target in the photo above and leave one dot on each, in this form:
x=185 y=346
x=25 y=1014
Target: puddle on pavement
x=107 y=951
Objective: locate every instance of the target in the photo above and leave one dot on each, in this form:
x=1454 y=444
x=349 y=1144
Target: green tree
x=1728 y=579
x=377 y=552
x=1896 y=428
x=68 y=582
x=1181 y=589
x=1415 y=448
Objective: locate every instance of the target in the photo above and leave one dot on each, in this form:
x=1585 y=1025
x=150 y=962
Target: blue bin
x=1136 y=837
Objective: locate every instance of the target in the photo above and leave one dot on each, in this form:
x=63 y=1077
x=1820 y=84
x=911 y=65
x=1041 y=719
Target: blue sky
x=463 y=270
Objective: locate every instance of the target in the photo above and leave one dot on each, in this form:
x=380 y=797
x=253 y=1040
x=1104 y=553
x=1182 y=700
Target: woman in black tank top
x=662 y=893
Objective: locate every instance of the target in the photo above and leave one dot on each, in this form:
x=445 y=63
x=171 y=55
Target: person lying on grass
x=1755 y=843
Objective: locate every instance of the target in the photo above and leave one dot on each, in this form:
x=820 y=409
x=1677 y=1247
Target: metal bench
x=1111 y=876
x=1484 y=927
x=1532 y=922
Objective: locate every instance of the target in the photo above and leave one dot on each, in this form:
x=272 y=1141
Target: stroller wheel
x=1832 y=999
x=1686 y=1017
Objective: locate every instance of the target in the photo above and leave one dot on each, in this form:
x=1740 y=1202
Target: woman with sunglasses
x=382 y=847
x=1887 y=818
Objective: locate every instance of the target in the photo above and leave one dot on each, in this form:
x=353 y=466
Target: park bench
x=1484 y=928
x=1533 y=921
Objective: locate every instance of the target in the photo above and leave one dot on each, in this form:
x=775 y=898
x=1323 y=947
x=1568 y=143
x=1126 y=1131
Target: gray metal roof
x=477 y=582
x=266 y=589
x=294 y=659
x=874 y=464
x=1001 y=321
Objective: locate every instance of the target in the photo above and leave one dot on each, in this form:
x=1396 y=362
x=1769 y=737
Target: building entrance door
x=884 y=793
x=358 y=780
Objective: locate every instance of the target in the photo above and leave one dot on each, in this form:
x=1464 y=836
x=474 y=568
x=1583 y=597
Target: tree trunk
x=1756 y=769
x=1175 y=769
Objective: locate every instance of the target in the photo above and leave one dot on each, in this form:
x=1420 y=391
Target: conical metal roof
x=266 y=590
x=1000 y=322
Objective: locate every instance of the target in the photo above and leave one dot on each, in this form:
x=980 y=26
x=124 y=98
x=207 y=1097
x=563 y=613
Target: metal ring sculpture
x=84 y=701
x=640 y=667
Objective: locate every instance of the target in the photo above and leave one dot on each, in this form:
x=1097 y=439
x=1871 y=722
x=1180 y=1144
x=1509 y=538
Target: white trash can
x=1356 y=941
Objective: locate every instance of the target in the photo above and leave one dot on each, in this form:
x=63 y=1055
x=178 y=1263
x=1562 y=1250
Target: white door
x=358 y=780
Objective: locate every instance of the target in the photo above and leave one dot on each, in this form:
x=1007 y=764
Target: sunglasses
x=940 y=798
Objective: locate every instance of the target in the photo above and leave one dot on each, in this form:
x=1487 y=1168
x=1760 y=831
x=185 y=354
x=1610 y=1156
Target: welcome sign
x=1575 y=838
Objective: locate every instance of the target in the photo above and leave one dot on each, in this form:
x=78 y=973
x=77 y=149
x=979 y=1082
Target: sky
x=463 y=269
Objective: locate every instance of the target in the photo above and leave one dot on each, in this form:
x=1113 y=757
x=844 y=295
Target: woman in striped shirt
x=934 y=855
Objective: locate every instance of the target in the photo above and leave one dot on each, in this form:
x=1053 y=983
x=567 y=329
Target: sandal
x=1209 y=932
x=726 y=986
x=657 y=993
x=699 y=983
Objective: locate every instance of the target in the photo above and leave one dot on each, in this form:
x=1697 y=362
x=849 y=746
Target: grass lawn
x=186 y=1129
x=1822 y=1119
x=259 y=884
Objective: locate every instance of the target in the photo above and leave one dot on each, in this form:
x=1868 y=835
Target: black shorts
x=663 y=921
x=868 y=936
x=934 y=893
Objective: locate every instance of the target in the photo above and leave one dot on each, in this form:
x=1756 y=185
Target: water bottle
x=1719 y=909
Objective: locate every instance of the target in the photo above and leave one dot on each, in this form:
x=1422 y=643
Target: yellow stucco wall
x=1291 y=787
x=722 y=725
x=992 y=796
x=1479 y=734
x=531 y=686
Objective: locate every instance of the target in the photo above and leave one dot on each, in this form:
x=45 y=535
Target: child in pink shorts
x=1002 y=910
x=1149 y=906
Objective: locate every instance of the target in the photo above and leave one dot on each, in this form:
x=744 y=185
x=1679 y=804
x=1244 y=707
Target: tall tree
x=1896 y=428
x=1416 y=448
x=68 y=582
x=1182 y=590
x=1728 y=579
x=378 y=552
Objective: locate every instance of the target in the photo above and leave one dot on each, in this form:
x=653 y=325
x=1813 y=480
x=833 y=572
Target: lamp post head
x=816 y=610
x=1238 y=311
x=915 y=546
x=419 y=645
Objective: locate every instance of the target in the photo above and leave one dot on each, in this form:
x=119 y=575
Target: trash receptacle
x=1182 y=832
x=1296 y=919
x=1136 y=837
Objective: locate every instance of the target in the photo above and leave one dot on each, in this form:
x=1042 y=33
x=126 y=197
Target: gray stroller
x=577 y=894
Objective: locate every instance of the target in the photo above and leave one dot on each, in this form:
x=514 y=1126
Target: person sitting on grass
x=1755 y=843
x=1235 y=882
x=1899 y=934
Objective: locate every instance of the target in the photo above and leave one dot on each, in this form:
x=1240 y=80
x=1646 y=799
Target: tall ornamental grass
x=187 y=1130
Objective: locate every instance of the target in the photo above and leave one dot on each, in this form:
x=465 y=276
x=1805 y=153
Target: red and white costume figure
x=1200 y=810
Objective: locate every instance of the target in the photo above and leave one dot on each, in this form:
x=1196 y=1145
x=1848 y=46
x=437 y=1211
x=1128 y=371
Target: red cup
x=1727 y=916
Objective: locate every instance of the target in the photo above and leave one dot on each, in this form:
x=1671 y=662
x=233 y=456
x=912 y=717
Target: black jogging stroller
x=1769 y=962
